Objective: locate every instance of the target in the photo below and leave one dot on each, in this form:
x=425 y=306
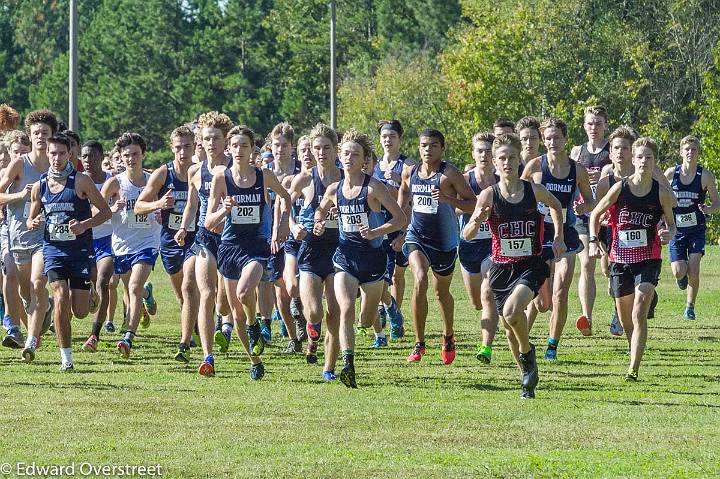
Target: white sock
x=66 y=355
x=31 y=342
x=381 y=334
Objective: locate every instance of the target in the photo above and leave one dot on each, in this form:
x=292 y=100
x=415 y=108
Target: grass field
x=405 y=420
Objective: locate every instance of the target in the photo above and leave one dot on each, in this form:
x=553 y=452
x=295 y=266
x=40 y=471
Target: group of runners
x=312 y=225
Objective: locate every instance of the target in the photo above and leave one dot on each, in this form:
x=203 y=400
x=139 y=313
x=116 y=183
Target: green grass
x=405 y=420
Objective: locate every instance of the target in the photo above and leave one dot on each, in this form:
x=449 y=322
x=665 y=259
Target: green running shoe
x=484 y=354
x=149 y=302
x=183 y=353
x=632 y=375
x=223 y=341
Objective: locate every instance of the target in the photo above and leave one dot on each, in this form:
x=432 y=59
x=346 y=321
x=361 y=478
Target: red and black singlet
x=517 y=228
x=634 y=223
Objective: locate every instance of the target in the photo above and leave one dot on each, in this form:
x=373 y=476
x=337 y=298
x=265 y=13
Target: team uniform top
x=354 y=213
x=594 y=161
x=307 y=214
x=249 y=222
x=634 y=223
x=104 y=230
x=517 y=228
x=20 y=235
x=379 y=174
x=58 y=210
x=483 y=235
x=564 y=190
x=171 y=219
x=133 y=233
x=204 y=193
x=432 y=224
x=688 y=217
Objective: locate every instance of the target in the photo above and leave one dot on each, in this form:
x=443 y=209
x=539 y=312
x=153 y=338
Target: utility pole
x=73 y=80
x=333 y=81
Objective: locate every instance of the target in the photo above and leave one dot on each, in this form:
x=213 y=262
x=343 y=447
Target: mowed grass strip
x=405 y=420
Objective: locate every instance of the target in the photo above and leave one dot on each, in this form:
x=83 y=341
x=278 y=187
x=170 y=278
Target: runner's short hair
x=283 y=129
x=647 y=142
x=354 y=136
x=242 y=130
x=44 y=116
x=527 y=122
x=483 y=136
x=503 y=122
x=690 y=140
x=95 y=147
x=597 y=110
x=553 y=122
x=129 y=138
x=507 y=139
x=16 y=136
x=321 y=130
x=394 y=125
x=9 y=118
x=432 y=133
x=60 y=139
x=624 y=132
x=215 y=119
x=183 y=131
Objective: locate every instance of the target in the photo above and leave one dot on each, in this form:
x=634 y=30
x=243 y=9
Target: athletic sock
x=349 y=358
x=128 y=338
x=31 y=342
x=381 y=334
x=553 y=343
x=210 y=358
x=66 y=355
x=226 y=328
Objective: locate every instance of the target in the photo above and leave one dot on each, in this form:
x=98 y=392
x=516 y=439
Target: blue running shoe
x=397 y=327
x=266 y=332
x=109 y=327
x=379 y=342
x=257 y=346
x=382 y=314
x=257 y=371
x=276 y=316
x=551 y=354
x=14 y=339
x=329 y=376
x=689 y=313
x=149 y=302
x=616 y=328
x=7 y=322
x=682 y=283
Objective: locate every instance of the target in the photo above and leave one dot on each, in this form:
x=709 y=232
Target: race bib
x=425 y=204
x=331 y=220
x=483 y=232
x=352 y=223
x=175 y=221
x=516 y=247
x=245 y=215
x=686 y=220
x=60 y=232
x=632 y=238
x=138 y=221
x=26 y=209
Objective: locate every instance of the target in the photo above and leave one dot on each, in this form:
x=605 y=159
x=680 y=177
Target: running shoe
x=276 y=316
x=48 y=318
x=416 y=354
x=311 y=353
x=313 y=331
x=91 y=344
x=530 y=376
x=109 y=327
x=266 y=331
x=94 y=299
x=67 y=367
x=223 y=340
x=653 y=303
x=28 y=354
x=682 y=283
x=144 y=321
x=194 y=340
x=397 y=322
x=347 y=376
x=14 y=338
x=257 y=371
x=294 y=346
x=631 y=376
x=124 y=348
x=379 y=342
x=149 y=302
x=448 y=350
x=584 y=325
x=382 y=314
x=689 y=313
x=361 y=331
x=551 y=354
x=257 y=346
x=616 y=328
x=207 y=367
x=329 y=376
x=484 y=354
x=183 y=353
